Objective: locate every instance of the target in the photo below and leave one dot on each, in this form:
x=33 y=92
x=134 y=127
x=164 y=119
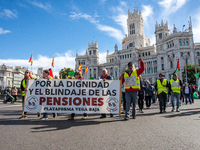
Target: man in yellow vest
x=175 y=89
x=161 y=87
x=131 y=81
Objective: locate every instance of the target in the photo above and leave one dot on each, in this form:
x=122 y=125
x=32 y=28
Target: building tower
x=93 y=62
x=136 y=37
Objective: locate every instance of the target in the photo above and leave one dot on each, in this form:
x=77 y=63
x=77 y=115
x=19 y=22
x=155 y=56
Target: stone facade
x=159 y=58
x=11 y=75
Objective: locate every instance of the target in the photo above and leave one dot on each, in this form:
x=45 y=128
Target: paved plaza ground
x=150 y=130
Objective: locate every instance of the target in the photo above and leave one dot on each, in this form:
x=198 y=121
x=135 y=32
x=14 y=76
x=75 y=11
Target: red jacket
x=139 y=72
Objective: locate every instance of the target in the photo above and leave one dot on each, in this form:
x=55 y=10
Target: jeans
x=154 y=98
x=23 y=104
x=148 y=101
x=131 y=97
x=192 y=97
x=15 y=98
x=141 y=101
x=177 y=96
x=187 y=96
x=124 y=100
x=162 y=101
x=5 y=96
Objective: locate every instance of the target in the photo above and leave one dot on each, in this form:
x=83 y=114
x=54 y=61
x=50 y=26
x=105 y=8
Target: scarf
x=27 y=77
x=46 y=77
x=104 y=76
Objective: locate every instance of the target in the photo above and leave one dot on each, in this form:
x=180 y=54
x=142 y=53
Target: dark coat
x=148 y=90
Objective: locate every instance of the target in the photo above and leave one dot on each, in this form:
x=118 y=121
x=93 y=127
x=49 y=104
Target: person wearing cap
x=175 y=89
x=161 y=87
x=131 y=80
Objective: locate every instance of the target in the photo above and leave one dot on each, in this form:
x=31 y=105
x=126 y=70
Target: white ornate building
x=159 y=58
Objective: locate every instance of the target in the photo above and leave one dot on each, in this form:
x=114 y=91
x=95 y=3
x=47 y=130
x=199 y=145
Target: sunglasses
x=77 y=74
x=27 y=72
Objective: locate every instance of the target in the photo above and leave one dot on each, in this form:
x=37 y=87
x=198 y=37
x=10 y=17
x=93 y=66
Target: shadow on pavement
x=53 y=124
x=183 y=114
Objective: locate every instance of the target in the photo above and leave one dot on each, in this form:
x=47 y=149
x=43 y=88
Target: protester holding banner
x=161 y=87
x=24 y=89
x=46 y=75
x=105 y=76
x=132 y=85
x=141 y=94
x=78 y=75
x=175 y=89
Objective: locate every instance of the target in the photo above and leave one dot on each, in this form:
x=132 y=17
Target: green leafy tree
x=190 y=73
x=64 y=72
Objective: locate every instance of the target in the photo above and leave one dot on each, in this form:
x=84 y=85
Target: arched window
x=130 y=44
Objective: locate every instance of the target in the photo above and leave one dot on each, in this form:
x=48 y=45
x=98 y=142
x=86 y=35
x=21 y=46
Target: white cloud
x=102 y=58
x=120 y=16
x=2 y=31
x=84 y=16
x=153 y=39
x=171 y=6
x=113 y=32
x=45 y=6
x=147 y=11
x=8 y=14
x=60 y=61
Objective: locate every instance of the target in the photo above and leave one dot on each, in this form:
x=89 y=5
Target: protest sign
x=73 y=96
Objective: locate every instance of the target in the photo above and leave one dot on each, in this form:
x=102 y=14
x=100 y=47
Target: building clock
x=131 y=19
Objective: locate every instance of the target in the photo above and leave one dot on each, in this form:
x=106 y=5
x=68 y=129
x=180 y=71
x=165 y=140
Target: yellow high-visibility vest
x=160 y=86
x=175 y=86
x=137 y=80
x=24 y=85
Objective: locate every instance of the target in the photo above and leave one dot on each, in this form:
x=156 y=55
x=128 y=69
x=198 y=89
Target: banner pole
x=24 y=98
x=120 y=95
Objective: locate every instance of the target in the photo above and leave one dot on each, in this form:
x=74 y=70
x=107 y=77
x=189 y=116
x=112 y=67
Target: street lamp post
x=184 y=53
x=193 y=49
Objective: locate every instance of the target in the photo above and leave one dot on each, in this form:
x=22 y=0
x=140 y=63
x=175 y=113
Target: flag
x=177 y=69
x=86 y=70
x=52 y=64
x=51 y=72
x=123 y=42
x=196 y=75
x=80 y=67
x=31 y=59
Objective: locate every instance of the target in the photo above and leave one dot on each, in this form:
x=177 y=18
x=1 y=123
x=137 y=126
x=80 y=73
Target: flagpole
x=32 y=63
x=53 y=62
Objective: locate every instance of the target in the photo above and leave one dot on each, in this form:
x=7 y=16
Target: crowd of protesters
x=132 y=94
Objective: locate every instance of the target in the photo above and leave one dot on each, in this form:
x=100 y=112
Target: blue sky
x=62 y=27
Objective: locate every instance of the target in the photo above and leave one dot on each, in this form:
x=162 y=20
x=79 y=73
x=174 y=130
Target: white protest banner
x=72 y=96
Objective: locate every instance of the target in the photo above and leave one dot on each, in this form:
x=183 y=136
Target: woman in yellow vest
x=27 y=76
x=161 y=87
x=175 y=89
